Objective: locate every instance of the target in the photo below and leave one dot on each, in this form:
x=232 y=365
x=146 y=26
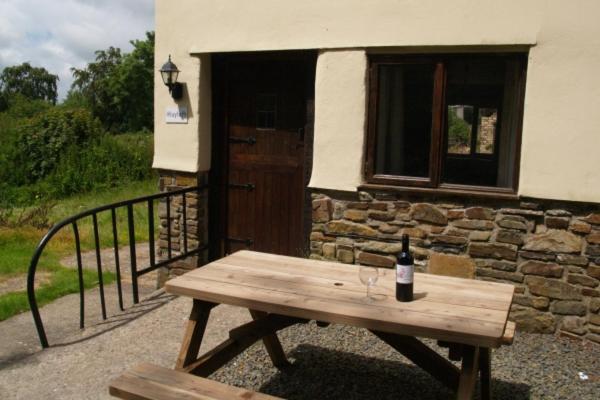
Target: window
x=446 y=121
x=266 y=111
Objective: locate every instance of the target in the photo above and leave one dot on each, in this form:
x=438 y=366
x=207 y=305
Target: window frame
x=433 y=183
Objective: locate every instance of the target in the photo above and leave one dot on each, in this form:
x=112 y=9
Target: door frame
x=219 y=171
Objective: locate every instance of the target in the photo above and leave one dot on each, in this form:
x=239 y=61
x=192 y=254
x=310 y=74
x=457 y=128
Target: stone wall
x=195 y=221
x=551 y=255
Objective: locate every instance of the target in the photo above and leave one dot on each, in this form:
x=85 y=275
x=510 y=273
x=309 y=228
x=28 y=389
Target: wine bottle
x=405 y=268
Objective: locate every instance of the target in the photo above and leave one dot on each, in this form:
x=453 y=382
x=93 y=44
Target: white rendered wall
x=340 y=104
x=561 y=133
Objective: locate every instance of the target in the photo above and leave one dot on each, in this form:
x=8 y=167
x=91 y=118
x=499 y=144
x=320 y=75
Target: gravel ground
x=328 y=363
x=339 y=362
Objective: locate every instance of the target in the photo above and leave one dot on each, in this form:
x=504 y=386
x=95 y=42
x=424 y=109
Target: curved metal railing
x=135 y=273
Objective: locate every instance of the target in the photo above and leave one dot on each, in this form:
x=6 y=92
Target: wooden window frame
x=433 y=183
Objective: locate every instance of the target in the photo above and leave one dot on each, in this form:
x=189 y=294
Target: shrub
x=44 y=138
x=20 y=106
x=105 y=162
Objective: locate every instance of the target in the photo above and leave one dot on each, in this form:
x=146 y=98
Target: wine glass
x=368 y=276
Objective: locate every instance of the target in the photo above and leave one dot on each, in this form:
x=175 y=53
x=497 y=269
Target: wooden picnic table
x=280 y=291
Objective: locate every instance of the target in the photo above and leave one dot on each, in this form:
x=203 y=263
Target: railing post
x=151 y=232
x=39 y=326
x=132 y=248
x=80 y=276
x=169 y=250
x=133 y=263
x=99 y=265
x=184 y=214
x=113 y=214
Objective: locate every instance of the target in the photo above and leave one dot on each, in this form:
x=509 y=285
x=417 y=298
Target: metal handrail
x=131 y=233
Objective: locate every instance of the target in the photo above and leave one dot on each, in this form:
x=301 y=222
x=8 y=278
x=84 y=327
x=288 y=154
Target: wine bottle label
x=405 y=273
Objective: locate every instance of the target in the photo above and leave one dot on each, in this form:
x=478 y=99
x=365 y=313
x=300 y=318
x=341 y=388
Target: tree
x=31 y=82
x=92 y=83
x=44 y=138
x=134 y=85
x=118 y=87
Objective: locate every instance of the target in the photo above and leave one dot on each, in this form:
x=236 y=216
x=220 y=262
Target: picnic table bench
x=151 y=382
x=469 y=315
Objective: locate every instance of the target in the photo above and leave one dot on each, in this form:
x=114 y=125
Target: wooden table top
x=452 y=309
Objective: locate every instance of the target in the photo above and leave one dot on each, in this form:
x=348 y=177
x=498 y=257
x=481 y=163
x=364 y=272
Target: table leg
x=485 y=371
x=272 y=344
x=468 y=372
x=194 y=332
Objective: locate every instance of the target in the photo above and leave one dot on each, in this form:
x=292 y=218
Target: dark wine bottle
x=405 y=268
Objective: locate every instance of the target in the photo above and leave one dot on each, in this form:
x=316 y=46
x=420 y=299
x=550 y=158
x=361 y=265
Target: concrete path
x=142 y=257
x=79 y=364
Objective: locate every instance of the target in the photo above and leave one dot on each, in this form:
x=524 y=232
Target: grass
x=17 y=245
x=63 y=282
x=77 y=204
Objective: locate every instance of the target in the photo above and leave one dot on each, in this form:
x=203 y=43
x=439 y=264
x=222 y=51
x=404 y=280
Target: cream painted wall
x=340 y=104
x=181 y=147
x=560 y=156
x=561 y=134
x=187 y=28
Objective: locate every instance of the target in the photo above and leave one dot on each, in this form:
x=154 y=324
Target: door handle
x=251 y=140
x=245 y=241
x=247 y=186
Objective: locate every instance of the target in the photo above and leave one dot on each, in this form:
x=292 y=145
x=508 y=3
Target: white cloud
x=58 y=35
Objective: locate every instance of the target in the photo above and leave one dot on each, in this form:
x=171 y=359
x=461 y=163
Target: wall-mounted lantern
x=169 y=73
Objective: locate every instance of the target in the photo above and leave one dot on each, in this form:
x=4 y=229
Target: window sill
x=447 y=190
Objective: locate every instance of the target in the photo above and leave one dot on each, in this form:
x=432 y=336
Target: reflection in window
x=486 y=130
x=266 y=111
x=460 y=129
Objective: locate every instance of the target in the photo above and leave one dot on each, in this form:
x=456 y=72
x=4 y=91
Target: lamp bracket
x=176 y=90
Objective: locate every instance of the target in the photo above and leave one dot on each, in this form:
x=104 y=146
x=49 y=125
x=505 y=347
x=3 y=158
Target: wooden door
x=266 y=112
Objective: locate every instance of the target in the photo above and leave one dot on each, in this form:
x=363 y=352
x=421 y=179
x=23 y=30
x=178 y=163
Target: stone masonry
x=195 y=221
x=551 y=255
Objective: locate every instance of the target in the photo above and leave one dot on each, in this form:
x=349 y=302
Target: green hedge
x=103 y=163
x=59 y=151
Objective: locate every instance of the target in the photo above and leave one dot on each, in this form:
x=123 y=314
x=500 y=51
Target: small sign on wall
x=176 y=115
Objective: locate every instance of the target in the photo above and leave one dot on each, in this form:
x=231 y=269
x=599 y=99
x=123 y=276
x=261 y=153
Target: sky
x=60 y=34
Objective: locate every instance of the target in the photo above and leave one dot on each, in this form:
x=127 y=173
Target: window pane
x=266 y=111
x=486 y=130
x=476 y=81
x=404 y=119
x=460 y=129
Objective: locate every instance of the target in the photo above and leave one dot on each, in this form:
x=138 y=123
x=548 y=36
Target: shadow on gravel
x=319 y=373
